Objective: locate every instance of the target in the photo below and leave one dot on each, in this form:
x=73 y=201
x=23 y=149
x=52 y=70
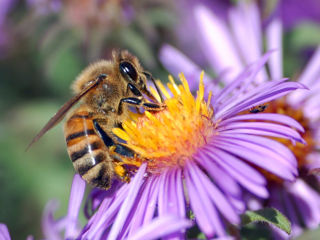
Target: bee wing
x=64 y=109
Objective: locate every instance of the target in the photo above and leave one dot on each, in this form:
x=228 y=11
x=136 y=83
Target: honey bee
x=105 y=89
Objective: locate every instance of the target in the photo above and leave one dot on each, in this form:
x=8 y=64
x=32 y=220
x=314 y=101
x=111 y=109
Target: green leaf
x=267 y=215
x=305 y=35
x=160 y=17
x=257 y=231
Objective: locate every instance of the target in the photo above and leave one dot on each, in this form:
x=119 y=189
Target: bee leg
x=140 y=103
x=137 y=92
x=117 y=148
x=111 y=143
x=120 y=168
x=134 y=90
x=108 y=141
x=122 y=172
x=123 y=150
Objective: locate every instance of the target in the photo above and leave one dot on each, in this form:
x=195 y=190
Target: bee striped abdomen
x=87 y=150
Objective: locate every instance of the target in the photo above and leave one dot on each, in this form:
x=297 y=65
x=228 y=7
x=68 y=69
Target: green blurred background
x=43 y=47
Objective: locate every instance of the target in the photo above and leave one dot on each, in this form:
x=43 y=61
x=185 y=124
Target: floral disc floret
x=170 y=138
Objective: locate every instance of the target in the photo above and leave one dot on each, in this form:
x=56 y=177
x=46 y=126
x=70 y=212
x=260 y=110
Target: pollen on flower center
x=170 y=137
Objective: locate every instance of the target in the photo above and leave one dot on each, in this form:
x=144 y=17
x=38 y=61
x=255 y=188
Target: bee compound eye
x=128 y=71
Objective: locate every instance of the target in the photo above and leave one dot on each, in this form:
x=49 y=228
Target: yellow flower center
x=170 y=137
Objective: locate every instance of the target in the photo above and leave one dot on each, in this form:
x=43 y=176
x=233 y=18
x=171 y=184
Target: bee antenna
x=149 y=77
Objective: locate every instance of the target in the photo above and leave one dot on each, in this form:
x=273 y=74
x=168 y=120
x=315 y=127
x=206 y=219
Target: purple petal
x=161 y=227
x=261 y=94
x=217 y=43
x=153 y=197
x=309 y=77
x=222 y=158
x=307 y=201
x=255 y=150
x=226 y=183
x=179 y=191
x=94 y=200
x=278 y=151
x=171 y=194
x=280 y=118
x=171 y=197
x=76 y=196
x=138 y=216
x=274 y=41
x=5 y=6
x=135 y=217
x=50 y=227
x=291 y=213
x=4 y=232
x=163 y=190
x=106 y=213
x=127 y=204
x=262 y=128
x=294 y=12
x=206 y=215
x=246 y=26
x=30 y=237
x=244 y=80
x=176 y=62
x=218 y=198
x=198 y=208
x=221 y=178
x=279 y=201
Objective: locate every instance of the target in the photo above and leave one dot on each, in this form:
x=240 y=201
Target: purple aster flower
x=4 y=232
x=196 y=156
x=242 y=39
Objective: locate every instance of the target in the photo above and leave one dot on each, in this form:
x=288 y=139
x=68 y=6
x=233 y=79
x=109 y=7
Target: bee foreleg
x=108 y=141
x=134 y=90
x=131 y=101
x=123 y=150
x=140 y=103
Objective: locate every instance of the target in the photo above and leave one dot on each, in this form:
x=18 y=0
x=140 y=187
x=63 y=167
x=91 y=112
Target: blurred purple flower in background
x=231 y=45
x=294 y=12
x=69 y=224
x=44 y=7
x=5 y=6
x=5 y=235
x=4 y=232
